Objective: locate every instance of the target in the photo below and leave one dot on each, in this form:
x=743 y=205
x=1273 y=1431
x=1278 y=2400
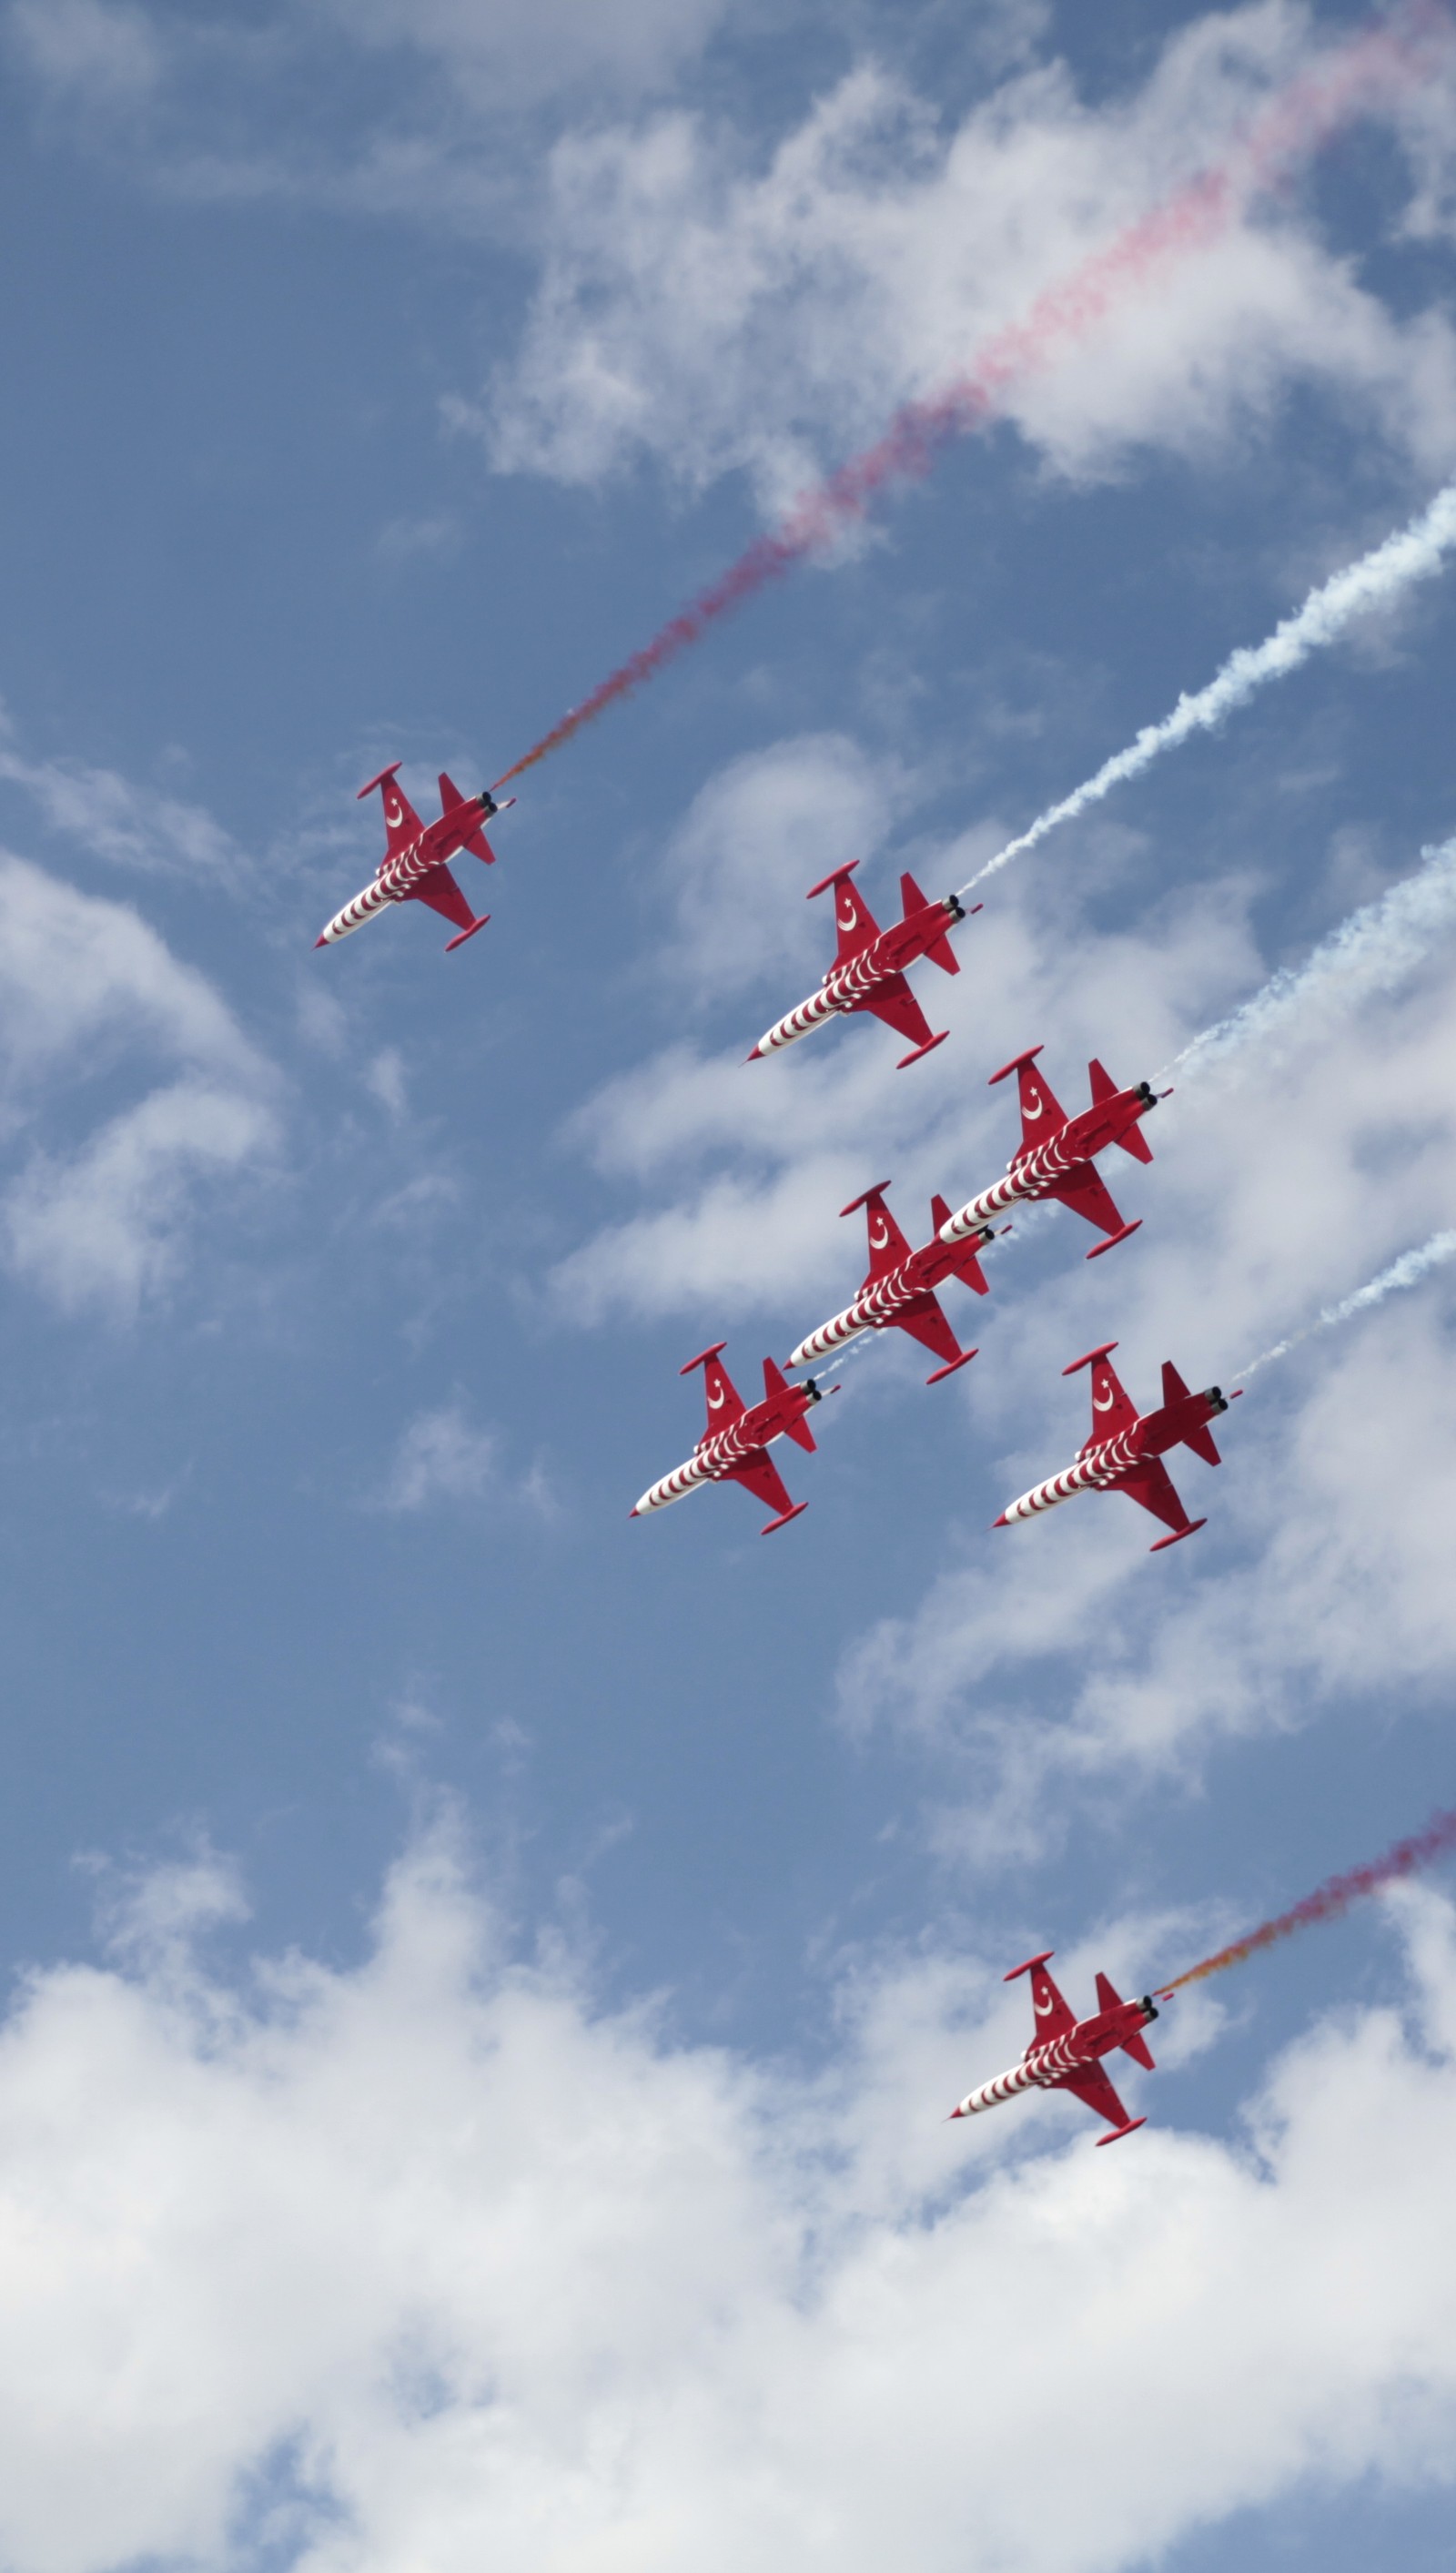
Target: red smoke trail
x=1331 y=1899
x=1301 y=117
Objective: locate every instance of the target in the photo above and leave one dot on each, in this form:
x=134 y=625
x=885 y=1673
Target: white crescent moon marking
x=393 y=815
x=879 y=1241
x=1041 y=2006
x=1104 y=1401
x=715 y=1401
x=1033 y=1104
x=848 y=916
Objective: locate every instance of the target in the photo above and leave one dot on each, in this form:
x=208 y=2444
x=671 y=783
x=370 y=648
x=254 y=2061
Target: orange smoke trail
x=1330 y=1900
x=1299 y=119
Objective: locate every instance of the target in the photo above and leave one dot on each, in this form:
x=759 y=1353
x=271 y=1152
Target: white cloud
x=452 y=2266
x=99 y=1212
x=719 y=315
x=759 y=834
x=440 y=1458
x=527 y=50
x=101 y=52
x=132 y=826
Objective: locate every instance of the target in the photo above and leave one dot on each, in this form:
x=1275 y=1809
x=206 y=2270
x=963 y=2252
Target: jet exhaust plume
x=1407 y=1271
x=1413 y=553
x=1329 y=1899
x=1299 y=119
x=1369 y=951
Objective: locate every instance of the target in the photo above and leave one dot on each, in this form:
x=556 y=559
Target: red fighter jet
x=1058 y=1151
x=868 y=970
x=415 y=863
x=1124 y=1451
x=899 y=1288
x=1065 y=2052
x=734 y=1446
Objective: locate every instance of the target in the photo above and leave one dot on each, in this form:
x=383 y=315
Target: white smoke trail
x=1367 y=953
x=1413 y=553
x=1407 y=1271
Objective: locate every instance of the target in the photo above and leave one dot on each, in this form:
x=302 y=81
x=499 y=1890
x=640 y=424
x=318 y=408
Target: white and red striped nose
x=355 y=913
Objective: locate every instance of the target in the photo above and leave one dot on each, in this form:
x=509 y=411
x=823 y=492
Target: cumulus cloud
x=720 y=314
x=436 y=2259
x=759 y=834
x=129 y=826
x=443 y=1456
x=99 y=1210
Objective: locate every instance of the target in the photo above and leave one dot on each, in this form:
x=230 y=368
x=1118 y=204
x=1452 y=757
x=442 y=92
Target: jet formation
x=1056 y=1160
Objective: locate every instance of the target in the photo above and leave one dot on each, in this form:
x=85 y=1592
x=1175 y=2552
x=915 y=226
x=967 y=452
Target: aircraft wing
x=1151 y=1484
x=1095 y=2092
x=926 y=1323
x=1082 y=1190
x=444 y=895
x=760 y=1475
x=895 y=1004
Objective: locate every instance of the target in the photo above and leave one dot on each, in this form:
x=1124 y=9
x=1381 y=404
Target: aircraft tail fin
x=1131 y=1138
x=1197 y=1436
x=940 y=950
x=775 y=1382
x=1109 y=1997
x=475 y=841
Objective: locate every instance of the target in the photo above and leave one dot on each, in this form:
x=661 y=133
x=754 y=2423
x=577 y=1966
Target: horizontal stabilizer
x=1198 y=1437
x=1108 y=1999
x=1130 y=2129
x=940 y=950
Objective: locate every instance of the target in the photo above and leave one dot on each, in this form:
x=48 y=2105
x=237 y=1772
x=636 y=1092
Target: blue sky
x=487 y=1975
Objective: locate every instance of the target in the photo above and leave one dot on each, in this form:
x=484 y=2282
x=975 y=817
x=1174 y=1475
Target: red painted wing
x=1082 y=1190
x=760 y=1475
x=1095 y=2091
x=402 y=824
x=1053 y=2014
x=887 y=1243
x=854 y=922
x=444 y=895
x=1112 y=1407
x=1151 y=1484
x=924 y=1322
x=893 y=1002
